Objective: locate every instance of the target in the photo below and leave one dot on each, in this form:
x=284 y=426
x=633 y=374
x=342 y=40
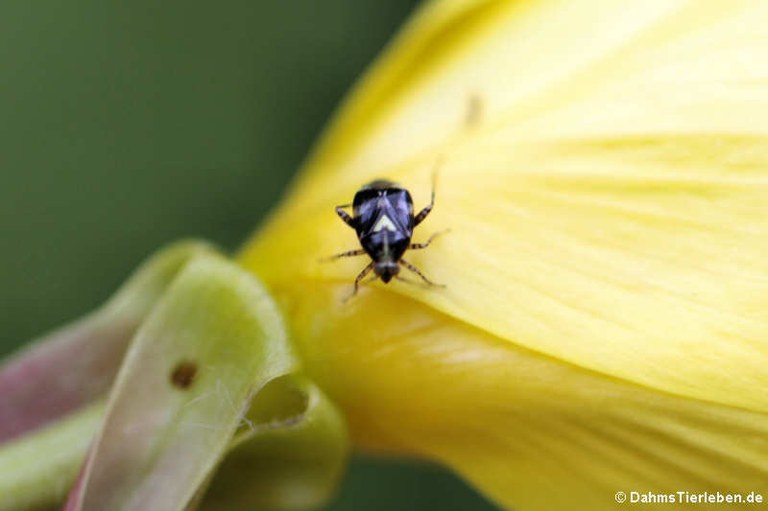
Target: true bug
x=382 y=216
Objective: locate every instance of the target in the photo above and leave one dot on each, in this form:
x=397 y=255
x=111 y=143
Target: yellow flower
x=605 y=178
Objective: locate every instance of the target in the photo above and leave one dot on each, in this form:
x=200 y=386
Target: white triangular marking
x=384 y=223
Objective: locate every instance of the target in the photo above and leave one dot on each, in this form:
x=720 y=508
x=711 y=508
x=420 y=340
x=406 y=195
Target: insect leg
x=424 y=212
x=348 y=253
x=345 y=216
x=415 y=270
x=361 y=276
x=416 y=246
x=409 y=281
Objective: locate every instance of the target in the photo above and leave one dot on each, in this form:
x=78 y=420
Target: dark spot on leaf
x=183 y=375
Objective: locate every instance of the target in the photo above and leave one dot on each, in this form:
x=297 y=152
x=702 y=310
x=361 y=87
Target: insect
x=382 y=216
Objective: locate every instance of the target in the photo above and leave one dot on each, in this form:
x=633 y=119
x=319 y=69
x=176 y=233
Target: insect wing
x=400 y=210
x=366 y=209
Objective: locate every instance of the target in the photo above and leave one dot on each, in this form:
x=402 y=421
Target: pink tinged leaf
x=214 y=339
x=77 y=493
x=75 y=365
x=61 y=373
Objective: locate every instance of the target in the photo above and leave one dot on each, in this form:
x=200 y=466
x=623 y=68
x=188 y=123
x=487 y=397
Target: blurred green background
x=125 y=125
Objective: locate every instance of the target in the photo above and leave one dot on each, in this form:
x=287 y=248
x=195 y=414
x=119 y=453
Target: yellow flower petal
x=531 y=431
x=605 y=179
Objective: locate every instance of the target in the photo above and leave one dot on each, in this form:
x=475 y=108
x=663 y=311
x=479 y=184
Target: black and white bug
x=382 y=216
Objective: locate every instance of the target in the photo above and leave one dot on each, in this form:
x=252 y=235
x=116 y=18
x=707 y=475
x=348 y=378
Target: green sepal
x=212 y=341
x=36 y=470
x=75 y=365
x=290 y=453
x=209 y=373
